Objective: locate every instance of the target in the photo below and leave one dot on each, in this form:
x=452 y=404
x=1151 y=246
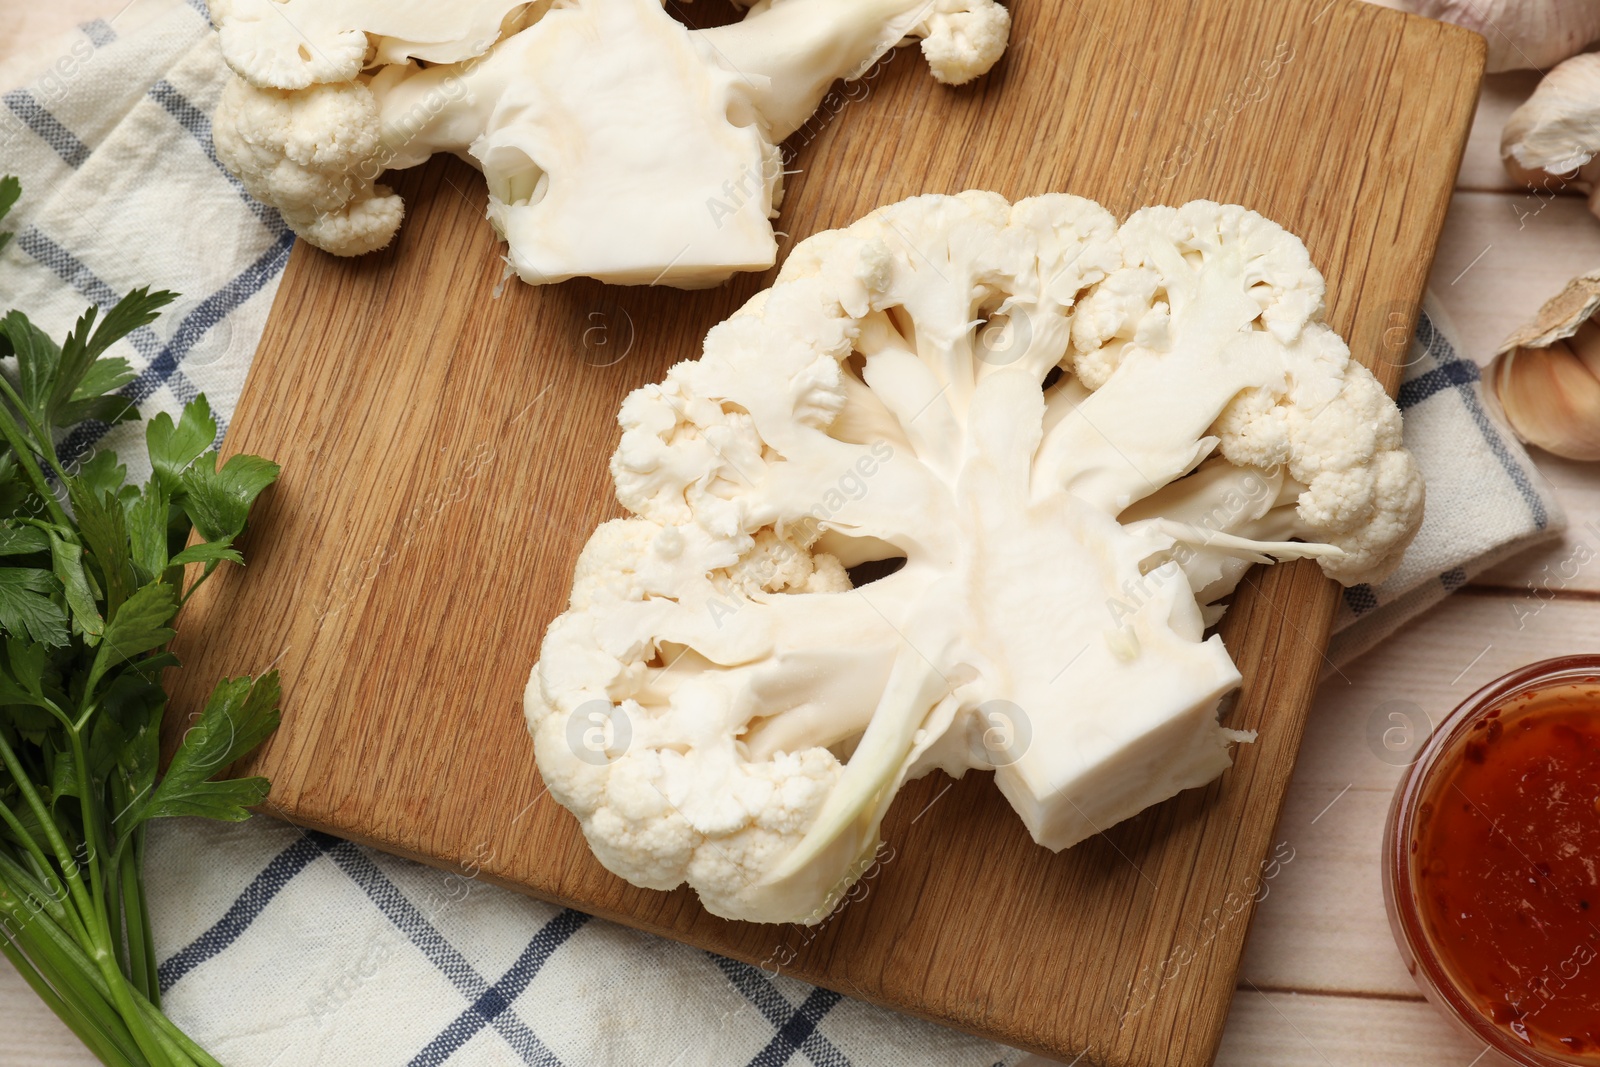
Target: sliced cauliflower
x=733 y=701
x=617 y=143
x=292 y=44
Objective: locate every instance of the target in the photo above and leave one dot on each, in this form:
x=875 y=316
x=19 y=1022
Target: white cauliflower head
x=881 y=525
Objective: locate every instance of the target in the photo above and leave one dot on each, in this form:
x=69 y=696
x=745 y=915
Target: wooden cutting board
x=444 y=459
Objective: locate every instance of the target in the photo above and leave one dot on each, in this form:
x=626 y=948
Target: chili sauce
x=1506 y=857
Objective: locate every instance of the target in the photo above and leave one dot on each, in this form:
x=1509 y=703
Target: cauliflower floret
x=1108 y=320
x=776 y=564
x=1313 y=425
x=1336 y=433
x=962 y=39
x=312 y=154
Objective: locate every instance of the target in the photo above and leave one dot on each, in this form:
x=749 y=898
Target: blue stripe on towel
x=237 y=919
x=490 y=1006
x=797 y=1028
x=63 y=141
x=1454 y=372
x=454 y=966
x=164 y=357
x=99 y=32
x=1360 y=598
x=198 y=124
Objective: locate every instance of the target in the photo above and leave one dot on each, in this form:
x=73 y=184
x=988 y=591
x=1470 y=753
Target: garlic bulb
x=1546 y=377
x=1551 y=140
x=1523 y=34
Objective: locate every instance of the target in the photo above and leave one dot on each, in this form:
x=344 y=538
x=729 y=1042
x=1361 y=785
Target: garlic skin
x=1546 y=377
x=1551 y=140
x=1522 y=34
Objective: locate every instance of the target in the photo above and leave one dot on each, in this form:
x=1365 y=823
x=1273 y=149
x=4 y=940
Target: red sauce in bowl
x=1494 y=864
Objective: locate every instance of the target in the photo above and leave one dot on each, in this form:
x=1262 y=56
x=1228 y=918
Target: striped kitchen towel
x=287 y=948
x=111 y=136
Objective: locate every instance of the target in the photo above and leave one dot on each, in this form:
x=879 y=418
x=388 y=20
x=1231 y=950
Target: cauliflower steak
x=1055 y=443
x=617 y=143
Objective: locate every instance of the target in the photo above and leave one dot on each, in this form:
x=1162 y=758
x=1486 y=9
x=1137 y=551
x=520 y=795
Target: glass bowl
x=1438 y=756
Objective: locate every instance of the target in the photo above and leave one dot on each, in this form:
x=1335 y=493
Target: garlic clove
x=1585 y=345
x=1546 y=376
x=1551 y=396
x=1522 y=34
x=1557 y=129
x=1561 y=316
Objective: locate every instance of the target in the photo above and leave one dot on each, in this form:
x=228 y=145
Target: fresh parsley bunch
x=92 y=571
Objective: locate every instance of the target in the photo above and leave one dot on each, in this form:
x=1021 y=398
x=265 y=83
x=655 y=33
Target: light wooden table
x=1322 y=985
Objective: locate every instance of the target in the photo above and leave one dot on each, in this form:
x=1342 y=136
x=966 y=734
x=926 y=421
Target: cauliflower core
x=617 y=143
x=1070 y=439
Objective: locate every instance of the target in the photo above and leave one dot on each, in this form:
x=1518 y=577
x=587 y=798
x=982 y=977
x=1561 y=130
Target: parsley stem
x=86 y=712
x=45 y=702
x=58 y=845
x=196 y=584
x=152 y=964
x=139 y=955
x=93 y=841
x=92 y=906
x=108 y=943
x=150 y=1043
x=58 y=902
x=19 y=445
x=46 y=444
x=114 y=920
x=193 y=1053
x=89 y=986
x=71 y=1012
x=68 y=970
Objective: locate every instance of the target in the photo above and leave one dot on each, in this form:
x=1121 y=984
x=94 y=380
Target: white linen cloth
x=289 y=948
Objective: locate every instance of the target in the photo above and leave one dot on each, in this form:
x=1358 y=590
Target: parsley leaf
x=239 y=716
x=139 y=626
x=174 y=447
x=22 y=541
x=148 y=531
x=208 y=552
x=26 y=610
x=67 y=560
x=219 y=500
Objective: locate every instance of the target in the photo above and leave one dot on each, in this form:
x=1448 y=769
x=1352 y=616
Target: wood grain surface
x=445 y=452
